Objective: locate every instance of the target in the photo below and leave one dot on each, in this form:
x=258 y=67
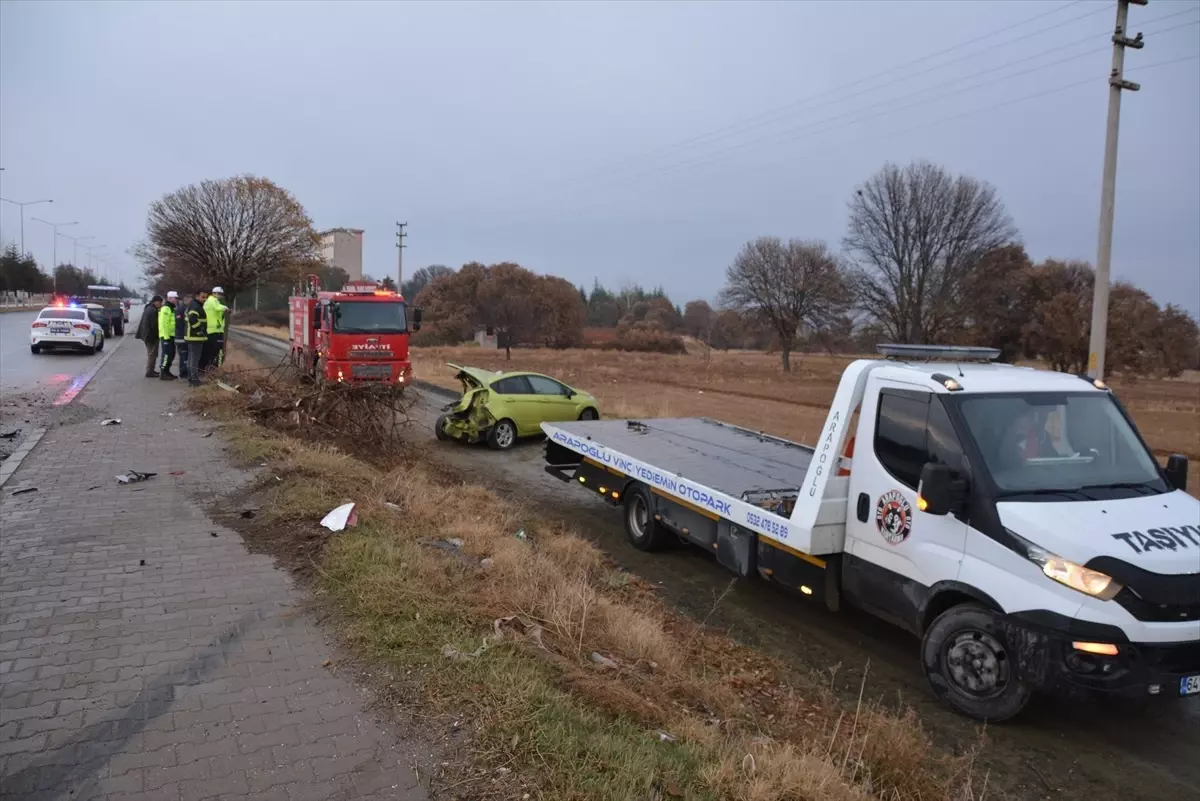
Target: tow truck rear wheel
x=644 y=532
x=971 y=666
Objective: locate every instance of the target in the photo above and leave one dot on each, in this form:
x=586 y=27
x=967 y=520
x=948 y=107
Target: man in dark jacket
x=195 y=335
x=147 y=331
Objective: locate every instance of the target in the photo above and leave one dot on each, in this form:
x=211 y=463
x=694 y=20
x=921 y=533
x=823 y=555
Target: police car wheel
x=644 y=532
x=35 y=349
x=970 y=665
x=439 y=428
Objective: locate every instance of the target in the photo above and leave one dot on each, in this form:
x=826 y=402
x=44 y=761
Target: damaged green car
x=503 y=407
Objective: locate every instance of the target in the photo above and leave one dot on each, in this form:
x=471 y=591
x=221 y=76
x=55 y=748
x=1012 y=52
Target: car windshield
x=1047 y=443
x=62 y=314
x=364 y=317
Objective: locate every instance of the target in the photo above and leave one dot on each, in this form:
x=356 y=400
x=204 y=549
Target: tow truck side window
x=911 y=429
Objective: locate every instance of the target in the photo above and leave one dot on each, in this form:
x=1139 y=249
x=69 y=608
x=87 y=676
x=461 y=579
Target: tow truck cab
x=1013 y=519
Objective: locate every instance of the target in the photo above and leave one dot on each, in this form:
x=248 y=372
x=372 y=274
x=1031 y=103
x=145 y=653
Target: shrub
x=644 y=338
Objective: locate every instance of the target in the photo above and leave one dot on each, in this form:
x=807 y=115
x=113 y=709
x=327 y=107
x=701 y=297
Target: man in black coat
x=147 y=331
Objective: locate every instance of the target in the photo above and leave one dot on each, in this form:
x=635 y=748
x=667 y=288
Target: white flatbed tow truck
x=1012 y=518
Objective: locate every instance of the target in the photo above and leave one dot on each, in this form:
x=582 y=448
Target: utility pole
x=1108 y=189
x=400 y=236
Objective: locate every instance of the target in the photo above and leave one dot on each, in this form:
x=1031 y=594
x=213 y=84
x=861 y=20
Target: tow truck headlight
x=1077 y=577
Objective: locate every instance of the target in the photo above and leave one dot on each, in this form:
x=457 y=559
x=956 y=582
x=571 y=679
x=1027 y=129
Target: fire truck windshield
x=370 y=317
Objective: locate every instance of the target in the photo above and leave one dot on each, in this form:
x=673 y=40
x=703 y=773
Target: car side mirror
x=940 y=490
x=1176 y=471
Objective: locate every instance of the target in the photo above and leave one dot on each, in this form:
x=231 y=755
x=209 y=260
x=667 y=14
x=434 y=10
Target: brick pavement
x=142 y=657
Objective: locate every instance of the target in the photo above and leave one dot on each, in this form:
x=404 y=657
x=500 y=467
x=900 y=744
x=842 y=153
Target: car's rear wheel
x=100 y=344
x=589 y=414
x=35 y=349
x=439 y=428
x=502 y=436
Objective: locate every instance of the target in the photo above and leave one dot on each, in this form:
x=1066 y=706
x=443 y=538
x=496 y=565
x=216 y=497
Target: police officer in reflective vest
x=195 y=335
x=166 y=336
x=214 y=312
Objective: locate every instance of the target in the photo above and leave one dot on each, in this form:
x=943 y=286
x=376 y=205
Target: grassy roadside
x=582 y=685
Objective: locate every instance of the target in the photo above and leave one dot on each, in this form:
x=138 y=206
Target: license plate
x=1189 y=685
x=60 y=329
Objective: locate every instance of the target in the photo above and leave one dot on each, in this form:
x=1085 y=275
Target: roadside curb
x=10 y=465
x=13 y=463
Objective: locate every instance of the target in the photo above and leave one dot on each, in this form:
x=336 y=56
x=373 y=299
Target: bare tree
x=787 y=285
x=233 y=232
x=917 y=233
x=422 y=278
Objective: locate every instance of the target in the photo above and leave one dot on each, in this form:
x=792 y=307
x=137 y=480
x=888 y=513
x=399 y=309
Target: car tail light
x=82 y=326
x=40 y=325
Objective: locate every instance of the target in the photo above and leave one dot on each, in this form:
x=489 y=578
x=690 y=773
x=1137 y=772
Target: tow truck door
x=895 y=553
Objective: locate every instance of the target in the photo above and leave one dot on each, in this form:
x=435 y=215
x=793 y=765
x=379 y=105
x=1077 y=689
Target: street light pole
x=54 y=266
x=23 y=204
x=75 y=249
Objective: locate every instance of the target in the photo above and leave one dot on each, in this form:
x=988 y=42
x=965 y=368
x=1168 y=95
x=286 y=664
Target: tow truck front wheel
x=970 y=665
x=644 y=532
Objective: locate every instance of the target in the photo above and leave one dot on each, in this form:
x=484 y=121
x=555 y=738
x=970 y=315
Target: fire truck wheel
x=502 y=436
x=439 y=428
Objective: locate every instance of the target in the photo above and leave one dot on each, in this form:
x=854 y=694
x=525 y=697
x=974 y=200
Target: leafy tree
x=1177 y=341
x=423 y=278
x=72 y=280
x=698 y=320
x=560 y=313
x=1060 y=296
x=918 y=234
x=235 y=232
x=787 y=285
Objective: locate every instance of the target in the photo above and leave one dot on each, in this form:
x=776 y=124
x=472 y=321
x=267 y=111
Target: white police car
x=65 y=327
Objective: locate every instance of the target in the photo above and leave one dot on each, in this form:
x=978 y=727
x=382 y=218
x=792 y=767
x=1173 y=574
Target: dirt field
x=748 y=388
x=1057 y=750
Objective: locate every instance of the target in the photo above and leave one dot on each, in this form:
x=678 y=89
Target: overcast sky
x=578 y=138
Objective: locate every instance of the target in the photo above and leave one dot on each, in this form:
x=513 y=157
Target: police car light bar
x=956 y=353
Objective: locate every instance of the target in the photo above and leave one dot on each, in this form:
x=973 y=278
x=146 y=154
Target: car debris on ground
x=134 y=476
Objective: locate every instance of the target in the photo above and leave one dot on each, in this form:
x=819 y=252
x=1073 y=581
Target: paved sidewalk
x=143 y=657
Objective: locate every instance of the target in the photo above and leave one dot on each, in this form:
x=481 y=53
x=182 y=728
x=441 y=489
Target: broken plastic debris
x=511 y=627
x=11 y=434
x=603 y=661
x=226 y=387
x=134 y=476
x=391 y=505
x=25 y=490
x=205 y=436
x=665 y=737
x=340 y=517
x=456 y=542
x=521 y=535
x=112 y=421
x=450 y=547
x=178 y=472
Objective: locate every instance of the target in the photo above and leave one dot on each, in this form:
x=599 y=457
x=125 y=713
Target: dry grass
x=748 y=388
x=536 y=699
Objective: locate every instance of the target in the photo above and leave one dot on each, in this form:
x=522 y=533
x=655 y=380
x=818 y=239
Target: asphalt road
x=30 y=385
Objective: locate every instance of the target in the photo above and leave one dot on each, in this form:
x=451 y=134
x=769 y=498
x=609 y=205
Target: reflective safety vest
x=214 y=313
x=166 y=322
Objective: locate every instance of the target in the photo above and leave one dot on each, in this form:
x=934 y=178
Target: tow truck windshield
x=1059 y=446
x=370 y=317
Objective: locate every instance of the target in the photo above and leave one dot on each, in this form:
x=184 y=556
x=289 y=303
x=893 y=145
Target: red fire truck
x=358 y=333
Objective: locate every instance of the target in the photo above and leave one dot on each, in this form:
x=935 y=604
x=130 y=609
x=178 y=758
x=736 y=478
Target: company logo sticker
x=893 y=516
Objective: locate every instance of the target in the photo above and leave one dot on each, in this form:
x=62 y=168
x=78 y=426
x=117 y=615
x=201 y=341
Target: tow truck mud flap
x=736 y=548
x=791 y=568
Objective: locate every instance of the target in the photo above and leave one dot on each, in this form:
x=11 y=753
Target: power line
x=805 y=130
x=720 y=133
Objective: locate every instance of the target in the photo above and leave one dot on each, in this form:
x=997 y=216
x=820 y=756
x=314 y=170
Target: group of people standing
x=192 y=327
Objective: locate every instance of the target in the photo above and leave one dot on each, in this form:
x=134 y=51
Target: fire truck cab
x=356 y=334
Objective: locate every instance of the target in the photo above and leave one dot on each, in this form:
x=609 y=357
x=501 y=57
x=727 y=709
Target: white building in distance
x=342 y=247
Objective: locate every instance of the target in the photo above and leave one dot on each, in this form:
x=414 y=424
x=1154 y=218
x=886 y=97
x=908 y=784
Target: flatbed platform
x=727 y=458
